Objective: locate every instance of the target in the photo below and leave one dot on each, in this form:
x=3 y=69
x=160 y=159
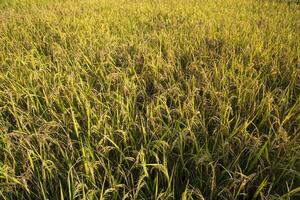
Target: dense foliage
x=162 y=99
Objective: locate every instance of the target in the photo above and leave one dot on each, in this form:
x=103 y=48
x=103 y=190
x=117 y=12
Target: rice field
x=149 y=99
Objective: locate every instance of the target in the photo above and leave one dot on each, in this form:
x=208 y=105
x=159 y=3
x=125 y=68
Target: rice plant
x=149 y=99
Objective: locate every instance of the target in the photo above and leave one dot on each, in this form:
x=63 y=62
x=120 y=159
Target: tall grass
x=149 y=99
